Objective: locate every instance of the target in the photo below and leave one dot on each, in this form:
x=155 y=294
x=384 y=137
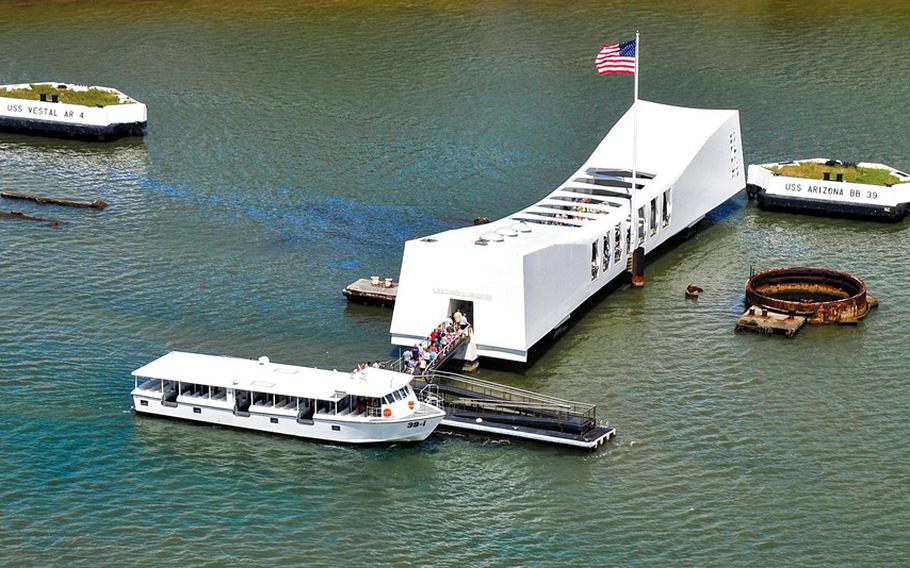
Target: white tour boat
x=370 y=405
x=520 y=277
x=832 y=195
x=42 y=108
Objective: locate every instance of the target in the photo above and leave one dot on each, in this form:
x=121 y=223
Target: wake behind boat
x=369 y=405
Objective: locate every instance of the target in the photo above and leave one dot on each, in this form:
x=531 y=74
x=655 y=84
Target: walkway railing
x=473 y=392
x=469 y=397
x=462 y=336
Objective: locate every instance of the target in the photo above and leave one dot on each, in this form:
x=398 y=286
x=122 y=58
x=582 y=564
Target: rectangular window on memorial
x=653 y=216
x=641 y=225
x=594 y=264
x=617 y=242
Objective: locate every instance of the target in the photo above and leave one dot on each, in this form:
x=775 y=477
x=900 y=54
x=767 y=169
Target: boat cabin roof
x=265 y=376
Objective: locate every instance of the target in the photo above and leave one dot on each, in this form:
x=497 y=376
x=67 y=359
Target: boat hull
x=323 y=427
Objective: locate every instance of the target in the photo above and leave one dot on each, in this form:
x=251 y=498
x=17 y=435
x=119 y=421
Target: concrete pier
x=769 y=323
x=374 y=290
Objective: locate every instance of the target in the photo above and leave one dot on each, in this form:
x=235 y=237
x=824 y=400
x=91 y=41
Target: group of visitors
x=419 y=358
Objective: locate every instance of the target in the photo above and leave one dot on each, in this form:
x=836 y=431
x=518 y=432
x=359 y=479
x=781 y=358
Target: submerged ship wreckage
x=785 y=299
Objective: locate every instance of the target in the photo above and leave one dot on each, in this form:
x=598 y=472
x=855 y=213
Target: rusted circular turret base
x=819 y=294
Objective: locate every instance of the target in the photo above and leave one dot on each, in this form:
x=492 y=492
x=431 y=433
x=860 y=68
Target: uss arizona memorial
x=523 y=275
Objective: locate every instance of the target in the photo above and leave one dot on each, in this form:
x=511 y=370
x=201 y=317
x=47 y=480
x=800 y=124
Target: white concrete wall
x=708 y=180
x=73 y=114
x=432 y=274
x=835 y=191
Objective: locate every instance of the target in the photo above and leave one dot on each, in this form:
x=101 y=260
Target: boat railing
x=461 y=336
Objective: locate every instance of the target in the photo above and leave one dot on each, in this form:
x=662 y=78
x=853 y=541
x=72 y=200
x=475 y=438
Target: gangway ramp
x=487 y=408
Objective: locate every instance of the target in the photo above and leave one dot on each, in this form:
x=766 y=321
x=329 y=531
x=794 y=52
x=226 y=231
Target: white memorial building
x=522 y=276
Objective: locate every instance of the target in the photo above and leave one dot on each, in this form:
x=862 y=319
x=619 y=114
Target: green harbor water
x=293 y=148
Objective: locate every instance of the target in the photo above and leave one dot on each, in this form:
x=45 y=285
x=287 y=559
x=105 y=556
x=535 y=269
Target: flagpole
x=634 y=211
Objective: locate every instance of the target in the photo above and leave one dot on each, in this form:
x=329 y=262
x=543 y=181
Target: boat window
x=666 y=208
x=397 y=395
x=151 y=385
x=192 y=389
x=262 y=399
x=388 y=399
x=607 y=249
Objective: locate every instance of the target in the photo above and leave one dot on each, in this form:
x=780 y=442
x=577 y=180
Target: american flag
x=617 y=58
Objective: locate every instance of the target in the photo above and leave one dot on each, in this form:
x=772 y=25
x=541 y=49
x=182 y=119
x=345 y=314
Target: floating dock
x=490 y=409
x=372 y=291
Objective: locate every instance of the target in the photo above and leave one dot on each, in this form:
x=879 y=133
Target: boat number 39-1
x=417 y=424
